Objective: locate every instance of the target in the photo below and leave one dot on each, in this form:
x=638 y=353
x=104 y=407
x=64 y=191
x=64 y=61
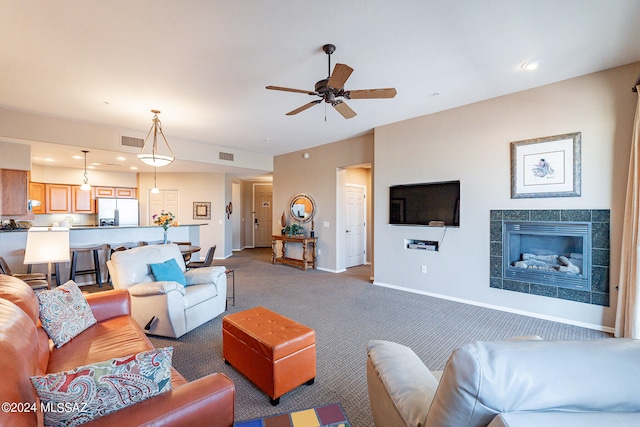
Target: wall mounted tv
x=434 y=203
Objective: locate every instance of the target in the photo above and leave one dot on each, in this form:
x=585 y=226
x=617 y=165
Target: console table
x=308 y=250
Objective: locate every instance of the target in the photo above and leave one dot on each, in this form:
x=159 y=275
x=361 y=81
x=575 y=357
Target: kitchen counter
x=101 y=227
x=13 y=242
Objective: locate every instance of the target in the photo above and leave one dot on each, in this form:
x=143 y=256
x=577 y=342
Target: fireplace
x=548 y=253
x=553 y=253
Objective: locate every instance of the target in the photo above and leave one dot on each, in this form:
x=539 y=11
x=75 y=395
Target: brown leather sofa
x=25 y=350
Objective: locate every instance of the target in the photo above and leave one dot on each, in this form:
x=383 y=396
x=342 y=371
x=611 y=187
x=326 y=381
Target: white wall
x=472 y=144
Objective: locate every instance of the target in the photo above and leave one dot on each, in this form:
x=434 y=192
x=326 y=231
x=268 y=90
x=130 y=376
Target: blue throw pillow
x=168 y=271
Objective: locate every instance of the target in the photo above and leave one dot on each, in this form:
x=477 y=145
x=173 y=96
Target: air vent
x=129 y=141
x=225 y=156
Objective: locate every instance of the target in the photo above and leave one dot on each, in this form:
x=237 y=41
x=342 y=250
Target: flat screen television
x=434 y=203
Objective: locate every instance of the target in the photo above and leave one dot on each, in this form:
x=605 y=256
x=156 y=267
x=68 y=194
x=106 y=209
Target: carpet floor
x=346 y=311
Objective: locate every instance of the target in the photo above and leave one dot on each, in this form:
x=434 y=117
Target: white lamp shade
x=157 y=160
x=46 y=245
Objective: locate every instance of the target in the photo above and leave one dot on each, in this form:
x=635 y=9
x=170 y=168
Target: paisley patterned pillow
x=88 y=392
x=64 y=313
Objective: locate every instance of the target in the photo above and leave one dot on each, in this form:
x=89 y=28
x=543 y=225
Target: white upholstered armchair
x=167 y=307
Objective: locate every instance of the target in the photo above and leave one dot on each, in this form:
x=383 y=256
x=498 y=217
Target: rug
x=321 y=416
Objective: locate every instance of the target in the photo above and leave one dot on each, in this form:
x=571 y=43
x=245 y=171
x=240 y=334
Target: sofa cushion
x=64 y=313
x=94 y=390
x=196 y=294
x=116 y=337
x=483 y=379
x=18 y=361
x=131 y=267
x=168 y=271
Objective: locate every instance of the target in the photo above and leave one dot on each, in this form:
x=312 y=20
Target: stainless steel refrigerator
x=118 y=212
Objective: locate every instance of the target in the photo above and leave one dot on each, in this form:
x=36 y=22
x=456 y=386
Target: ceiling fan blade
x=388 y=92
x=304 y=107
x=288 y=89
x=341 y=73
x=344 y=109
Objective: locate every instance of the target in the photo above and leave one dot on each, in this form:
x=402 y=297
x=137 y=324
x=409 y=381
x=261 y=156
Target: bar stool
x=96 y=263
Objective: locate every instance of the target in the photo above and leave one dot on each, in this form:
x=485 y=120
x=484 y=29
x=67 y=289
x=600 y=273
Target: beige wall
x=15 y=156
x=472 y=144
x=22 y=126
x=318 y=176
x=56 y=175
x=193 y=187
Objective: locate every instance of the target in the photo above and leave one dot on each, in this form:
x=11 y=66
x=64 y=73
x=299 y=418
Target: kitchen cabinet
x=82 y=201
x=37 y=192
x=58 y=198
x=125 y=193
x=117 y=192
x=14 y=192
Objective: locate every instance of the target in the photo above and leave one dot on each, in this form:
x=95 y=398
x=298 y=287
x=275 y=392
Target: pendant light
x=153 y=158
x=85 y=185
x=155 y=189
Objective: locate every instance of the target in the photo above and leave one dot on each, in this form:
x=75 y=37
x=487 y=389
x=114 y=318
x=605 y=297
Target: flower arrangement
x=165 y=219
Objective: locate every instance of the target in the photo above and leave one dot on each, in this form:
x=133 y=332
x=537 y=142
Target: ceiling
x=205 y=63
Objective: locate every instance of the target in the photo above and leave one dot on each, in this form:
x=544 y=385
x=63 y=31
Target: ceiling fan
x=332 y=88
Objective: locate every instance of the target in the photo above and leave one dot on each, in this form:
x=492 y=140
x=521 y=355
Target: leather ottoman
x=275 y=353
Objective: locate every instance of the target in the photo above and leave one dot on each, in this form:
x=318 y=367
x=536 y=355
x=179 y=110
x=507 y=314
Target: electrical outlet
x=325 y=224
x=319 y=251
x=423 y=269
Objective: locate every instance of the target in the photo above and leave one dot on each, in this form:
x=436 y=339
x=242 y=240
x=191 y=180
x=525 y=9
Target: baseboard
x=501 y=308
x=332 y=271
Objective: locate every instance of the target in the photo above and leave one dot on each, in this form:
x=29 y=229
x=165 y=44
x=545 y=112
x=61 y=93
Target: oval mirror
x=302 y=208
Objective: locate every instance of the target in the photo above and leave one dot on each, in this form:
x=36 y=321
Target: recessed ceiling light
x=49 y=160
x=95 y=164
x=133 y=168
x=91 y=167
x=530 y=65
x=76 y=157
x=121 y=158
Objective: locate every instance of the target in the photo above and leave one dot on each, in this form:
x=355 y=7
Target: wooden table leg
x=274 y=249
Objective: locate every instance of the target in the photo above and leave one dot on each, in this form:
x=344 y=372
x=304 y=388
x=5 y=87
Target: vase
x=165 y=241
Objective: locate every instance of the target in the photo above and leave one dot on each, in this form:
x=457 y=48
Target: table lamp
x=47 y=245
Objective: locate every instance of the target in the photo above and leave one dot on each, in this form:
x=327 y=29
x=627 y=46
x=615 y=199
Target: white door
x=355 y=230
x=164 y=201
x=263 y=215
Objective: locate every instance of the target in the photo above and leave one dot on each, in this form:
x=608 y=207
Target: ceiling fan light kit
x=332 y=88
x=153 y=158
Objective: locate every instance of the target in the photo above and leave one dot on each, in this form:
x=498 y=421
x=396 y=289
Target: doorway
x=262 y=215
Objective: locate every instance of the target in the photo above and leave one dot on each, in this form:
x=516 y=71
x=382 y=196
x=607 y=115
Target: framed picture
x=546 y=167
x=201 y=210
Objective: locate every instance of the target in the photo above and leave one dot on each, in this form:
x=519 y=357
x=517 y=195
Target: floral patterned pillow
x=64 y=313
x=88 y=392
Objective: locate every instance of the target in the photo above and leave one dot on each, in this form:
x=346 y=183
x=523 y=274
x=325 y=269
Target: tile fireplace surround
x=600 y=222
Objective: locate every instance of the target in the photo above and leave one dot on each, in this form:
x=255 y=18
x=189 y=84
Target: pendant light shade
x=155 y=189
x=85 y=185
x=153 y=158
